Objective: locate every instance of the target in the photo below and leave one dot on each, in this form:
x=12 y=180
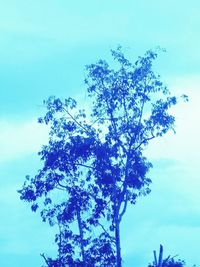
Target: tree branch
x=112 y=239
x=63 y=186
x=78 y=123
x=86 y=166
x=143 y=141
x=46 y=260
x=124 y=208
x=81 y=233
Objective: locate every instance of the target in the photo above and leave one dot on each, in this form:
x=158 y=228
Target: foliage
x=95 y=160
x=171 y=263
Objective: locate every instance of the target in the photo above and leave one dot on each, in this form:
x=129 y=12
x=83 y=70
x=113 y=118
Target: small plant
x=168 y=262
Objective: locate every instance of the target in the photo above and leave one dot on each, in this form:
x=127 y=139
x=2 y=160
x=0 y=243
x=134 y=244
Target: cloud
x=170 y=214
x=23 y=235
x=184 y=146
x=176 y=157
x=18 y=139
x=42 y=29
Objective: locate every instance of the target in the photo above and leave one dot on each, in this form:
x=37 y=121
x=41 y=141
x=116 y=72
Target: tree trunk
x=81 y=237
x=118 y=246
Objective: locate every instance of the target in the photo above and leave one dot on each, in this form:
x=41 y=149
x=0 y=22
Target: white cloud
x=184 y=146
x=170 y=214
x=18 y=139
x=181 y=149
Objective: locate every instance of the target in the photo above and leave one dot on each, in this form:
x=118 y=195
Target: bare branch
x=86 y=166
x=63 y=186
x=46 y=260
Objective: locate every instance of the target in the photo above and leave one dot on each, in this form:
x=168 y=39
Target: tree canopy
x=94 y=163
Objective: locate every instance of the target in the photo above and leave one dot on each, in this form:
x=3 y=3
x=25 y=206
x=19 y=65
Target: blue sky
x=44 y=46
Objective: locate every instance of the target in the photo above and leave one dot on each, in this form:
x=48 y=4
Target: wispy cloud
x=18 y=139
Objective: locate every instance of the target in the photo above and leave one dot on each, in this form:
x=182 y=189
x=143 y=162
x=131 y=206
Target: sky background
x=44 y=46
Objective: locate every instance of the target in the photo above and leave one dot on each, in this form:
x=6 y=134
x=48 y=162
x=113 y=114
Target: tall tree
x=96 y=159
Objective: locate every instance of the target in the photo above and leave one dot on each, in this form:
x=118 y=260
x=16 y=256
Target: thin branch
x=81 y=233
x=112 y=239
x=112 y=119
x=126 y=115
x=174 y=256
x=86 y=166
x=78 y=123
x=143 y=141
x=140 y=117
x=124 y=191
x=60 y=240
x=46 y=260
x=166 y=260
x=63 y=186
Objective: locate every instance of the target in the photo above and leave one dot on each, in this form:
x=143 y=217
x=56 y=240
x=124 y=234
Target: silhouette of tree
x=95 y=160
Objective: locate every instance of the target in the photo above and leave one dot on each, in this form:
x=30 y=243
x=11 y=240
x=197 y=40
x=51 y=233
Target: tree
x=95 y=160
